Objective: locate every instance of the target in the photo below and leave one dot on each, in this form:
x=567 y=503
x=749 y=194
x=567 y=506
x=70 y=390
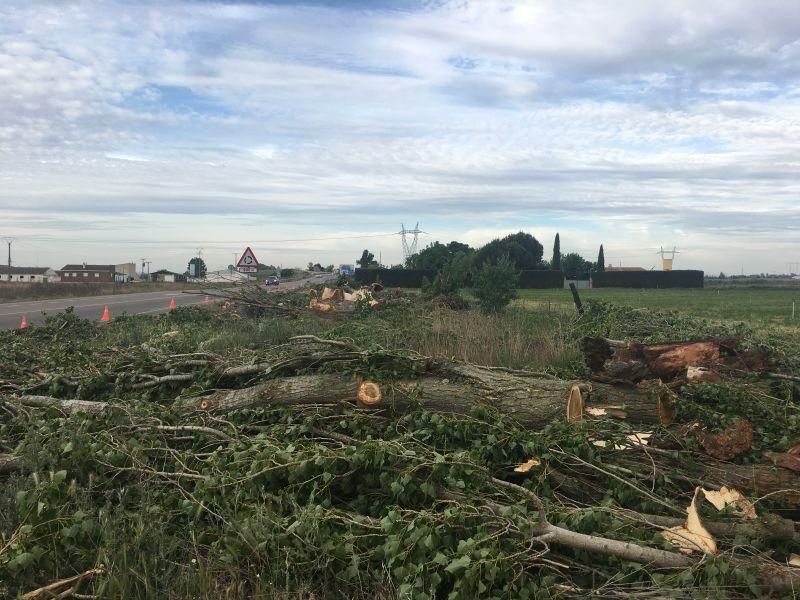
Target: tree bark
x=66 y=406
x=10 y=463
x=615 y=361
x=650 y=402
x=531 y=401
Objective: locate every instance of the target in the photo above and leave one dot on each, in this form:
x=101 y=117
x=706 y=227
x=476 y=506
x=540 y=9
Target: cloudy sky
x=134 y=129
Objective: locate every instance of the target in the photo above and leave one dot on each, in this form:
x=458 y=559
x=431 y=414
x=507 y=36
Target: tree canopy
x=367 y=260
x=575 y=266
x=555 y=264
x=522 y=249
x=437 y=256
x=197 y=267
x=601 y=260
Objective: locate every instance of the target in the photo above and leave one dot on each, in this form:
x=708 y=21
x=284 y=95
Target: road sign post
x=248 y=263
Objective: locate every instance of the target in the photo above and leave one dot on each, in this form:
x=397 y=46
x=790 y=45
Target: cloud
x=470 y=117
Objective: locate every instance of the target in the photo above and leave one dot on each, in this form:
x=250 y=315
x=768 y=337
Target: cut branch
x=69 y=407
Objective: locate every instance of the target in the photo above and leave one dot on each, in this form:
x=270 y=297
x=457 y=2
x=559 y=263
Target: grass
x=754 y=306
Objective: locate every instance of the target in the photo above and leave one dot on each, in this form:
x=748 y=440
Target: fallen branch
x=69 y=407
x=67 y=586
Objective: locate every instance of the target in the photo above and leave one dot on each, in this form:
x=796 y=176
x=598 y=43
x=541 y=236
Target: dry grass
x=517 y=338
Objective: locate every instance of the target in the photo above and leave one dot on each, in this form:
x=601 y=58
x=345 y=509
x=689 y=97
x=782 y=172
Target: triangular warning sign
x=248 y=259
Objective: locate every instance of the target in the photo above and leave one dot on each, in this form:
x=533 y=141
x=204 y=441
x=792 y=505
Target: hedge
x=647 y=279
x=412 y=278
x=540 y=280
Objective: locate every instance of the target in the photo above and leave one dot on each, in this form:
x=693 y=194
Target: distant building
x=610 y=268
x=91 y=274
x=27 y=274
x=128 y=270
x=164 y=276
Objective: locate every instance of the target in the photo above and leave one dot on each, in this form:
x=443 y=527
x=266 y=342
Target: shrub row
x=647 y=279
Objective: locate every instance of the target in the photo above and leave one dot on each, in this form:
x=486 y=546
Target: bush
x=495 y=285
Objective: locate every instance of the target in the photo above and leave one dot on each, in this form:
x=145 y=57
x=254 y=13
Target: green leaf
x=459 y=564
x=59 y=476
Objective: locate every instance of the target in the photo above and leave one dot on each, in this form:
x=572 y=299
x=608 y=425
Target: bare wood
x=649 y=402
x=57 y=587
x=318 y=340
x=194 y=429
x=295 y=363
x=768 y=527
x=633 y=362
x=178 y=378
x=69 y=407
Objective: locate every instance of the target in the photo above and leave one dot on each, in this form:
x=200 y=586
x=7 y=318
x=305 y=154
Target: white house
x=27 y=274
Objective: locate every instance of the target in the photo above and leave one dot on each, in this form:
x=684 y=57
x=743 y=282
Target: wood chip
x=692 y=536
x=527 y=465
x=730 y=497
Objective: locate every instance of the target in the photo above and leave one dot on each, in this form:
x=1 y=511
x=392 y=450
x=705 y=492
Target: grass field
x=753 y=306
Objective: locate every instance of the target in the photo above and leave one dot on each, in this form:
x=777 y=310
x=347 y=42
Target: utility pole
x=148 y=270
x=409 y=247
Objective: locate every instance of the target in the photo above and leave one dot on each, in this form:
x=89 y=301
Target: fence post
x=576 y=298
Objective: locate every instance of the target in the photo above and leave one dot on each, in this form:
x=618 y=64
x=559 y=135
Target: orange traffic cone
x=171 y=303
x=24 y=323
x=106 y=317
x=205 y=299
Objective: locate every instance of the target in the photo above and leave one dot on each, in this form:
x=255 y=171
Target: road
x=91 y=307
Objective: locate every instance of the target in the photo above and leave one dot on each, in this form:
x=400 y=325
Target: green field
x=754 y=306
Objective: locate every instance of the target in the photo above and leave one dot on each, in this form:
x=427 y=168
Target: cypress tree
x=601 y=260
x=555 y=264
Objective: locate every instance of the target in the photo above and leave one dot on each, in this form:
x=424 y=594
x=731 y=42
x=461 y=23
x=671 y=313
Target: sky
x=312 y=130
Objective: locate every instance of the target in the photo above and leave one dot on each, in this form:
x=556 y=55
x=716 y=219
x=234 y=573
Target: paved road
x=91 y=307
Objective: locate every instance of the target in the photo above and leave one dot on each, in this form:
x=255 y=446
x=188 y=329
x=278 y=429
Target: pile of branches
x=385 y=472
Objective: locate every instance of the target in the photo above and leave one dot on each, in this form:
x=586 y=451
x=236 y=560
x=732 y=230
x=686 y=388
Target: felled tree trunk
x=782 y=485
x=650 y=402
x=531 y=401
x=616 y=361
x=9 y=463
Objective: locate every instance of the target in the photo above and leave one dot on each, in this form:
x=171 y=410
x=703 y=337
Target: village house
x=90 y=274
x=27 y=274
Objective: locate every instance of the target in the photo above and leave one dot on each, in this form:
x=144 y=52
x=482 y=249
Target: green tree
x=437 y=255
x=601 y=260
x=555 y=264
x=495 y=285
x=574 y=265
x=522 y=249
x=367 y=260
x=197 y=268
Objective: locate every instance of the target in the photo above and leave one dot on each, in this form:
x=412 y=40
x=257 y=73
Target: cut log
x=782 y=485
x=616 y=361
x=530 y=401
x=650 y=402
